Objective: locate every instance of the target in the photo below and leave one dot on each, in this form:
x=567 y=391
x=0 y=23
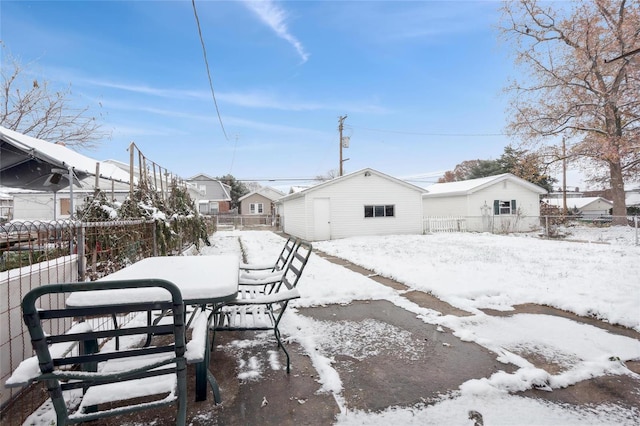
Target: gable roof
x=348 y=177
x=577 y=202
x=202 y=176
x=267 y=192
x=467 y=187
x=216 y=190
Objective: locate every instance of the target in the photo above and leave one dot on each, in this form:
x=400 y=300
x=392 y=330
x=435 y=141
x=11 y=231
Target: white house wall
x=446 y=206
x=594 y=209
x=347 y=201
x=471 y=206
x=294 y=220
x=39 y=206
x=527 y=205
x=33 y=206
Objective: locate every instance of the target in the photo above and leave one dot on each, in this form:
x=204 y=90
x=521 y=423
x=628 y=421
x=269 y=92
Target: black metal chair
x=108 y=382
x=257 y=310
x=279 y=264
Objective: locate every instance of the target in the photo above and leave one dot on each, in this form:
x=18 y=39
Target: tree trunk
x=617 y=194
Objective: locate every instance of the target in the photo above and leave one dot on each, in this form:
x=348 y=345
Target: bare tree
x=331 y=174
x=31 y=107
x=573 y=88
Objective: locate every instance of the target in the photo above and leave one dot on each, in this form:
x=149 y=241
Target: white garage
x=366 y=202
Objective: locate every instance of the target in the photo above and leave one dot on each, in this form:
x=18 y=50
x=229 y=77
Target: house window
x=256 y=208
x=502 y=207
x=65 y=206
x=379 y=211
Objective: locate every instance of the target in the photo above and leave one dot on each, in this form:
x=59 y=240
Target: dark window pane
x=388 y=211
x=368 y=211
x=379 y=211
x=505 y=207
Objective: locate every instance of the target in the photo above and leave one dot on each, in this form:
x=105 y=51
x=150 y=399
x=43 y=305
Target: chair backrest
x=294 y=268
x=286 y=253
x=164 y=361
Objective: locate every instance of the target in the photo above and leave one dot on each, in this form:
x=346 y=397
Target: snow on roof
x=577 y=202
x=62 y=154
x=472 y=185
x=632 y=199
x=366 y=171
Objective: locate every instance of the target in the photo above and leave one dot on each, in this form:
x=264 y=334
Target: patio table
x=202 y=280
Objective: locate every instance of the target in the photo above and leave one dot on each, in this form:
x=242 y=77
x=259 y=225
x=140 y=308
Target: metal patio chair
x=281 y=260
x=87 y=383
x=256 y=310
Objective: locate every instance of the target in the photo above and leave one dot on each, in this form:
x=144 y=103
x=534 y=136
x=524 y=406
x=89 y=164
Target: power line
x=206 y=62
x=427 y=134
x=277 y=179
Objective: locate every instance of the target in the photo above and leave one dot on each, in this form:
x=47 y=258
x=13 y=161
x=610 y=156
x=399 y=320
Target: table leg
x=204 y=376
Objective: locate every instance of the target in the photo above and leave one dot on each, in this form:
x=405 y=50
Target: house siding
x=213 y=192
x=527 y=205
x=245 y=205
x=294 y=222
x=594 y=209
x=472 y=205
x=347 y=201
x=39 y=206
x=449 y=206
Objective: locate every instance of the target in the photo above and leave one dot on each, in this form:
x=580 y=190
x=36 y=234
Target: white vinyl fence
x=445 y=224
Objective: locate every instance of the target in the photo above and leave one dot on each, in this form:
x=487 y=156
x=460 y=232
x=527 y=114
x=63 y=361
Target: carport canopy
x=35 y=164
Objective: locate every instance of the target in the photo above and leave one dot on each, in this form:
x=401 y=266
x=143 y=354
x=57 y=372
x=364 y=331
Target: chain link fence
x=626 y=229
x=34 y=253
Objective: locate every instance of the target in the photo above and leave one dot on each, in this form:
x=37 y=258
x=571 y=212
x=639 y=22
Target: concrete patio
x=383 y=371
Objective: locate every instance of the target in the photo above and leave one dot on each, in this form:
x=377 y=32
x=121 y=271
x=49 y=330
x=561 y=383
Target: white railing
x=445 y=224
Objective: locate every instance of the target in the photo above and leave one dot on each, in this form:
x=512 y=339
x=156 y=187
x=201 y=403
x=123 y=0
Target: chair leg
x=281 y=345
x=214 y=387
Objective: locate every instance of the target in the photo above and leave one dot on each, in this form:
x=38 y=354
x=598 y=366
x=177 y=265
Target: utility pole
x=340 y=126
x=564 y=176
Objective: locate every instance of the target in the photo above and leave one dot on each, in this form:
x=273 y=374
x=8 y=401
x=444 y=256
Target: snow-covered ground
x=471 y=272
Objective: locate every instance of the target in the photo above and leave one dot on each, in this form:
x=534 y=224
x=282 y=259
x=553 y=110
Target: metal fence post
x=155 y=239
x=546 y=226
x=635 y=219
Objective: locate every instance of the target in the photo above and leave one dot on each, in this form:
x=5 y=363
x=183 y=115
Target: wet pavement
x=386 y=357
x=408 y=362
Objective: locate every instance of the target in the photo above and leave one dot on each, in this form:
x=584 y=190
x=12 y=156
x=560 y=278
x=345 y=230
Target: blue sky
x=420 y=81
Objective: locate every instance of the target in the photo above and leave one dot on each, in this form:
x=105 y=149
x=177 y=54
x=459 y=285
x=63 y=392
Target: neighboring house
x=366 y=202
x=161 y=181
x=260 y=202
x=40 y=205
x=501 y=203
x=587 y=207
x=632 y=196
x=39 y=173
x=6 y=206
x=214 y=196
x=569 y=194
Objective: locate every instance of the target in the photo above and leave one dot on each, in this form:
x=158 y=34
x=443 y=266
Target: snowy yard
x=473 y=272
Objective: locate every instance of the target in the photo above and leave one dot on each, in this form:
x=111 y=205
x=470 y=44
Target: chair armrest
x=29 y=369
x=256 y=266
x=261 y=280
x=261 y=275
x=196 y=347
x=280 y=296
